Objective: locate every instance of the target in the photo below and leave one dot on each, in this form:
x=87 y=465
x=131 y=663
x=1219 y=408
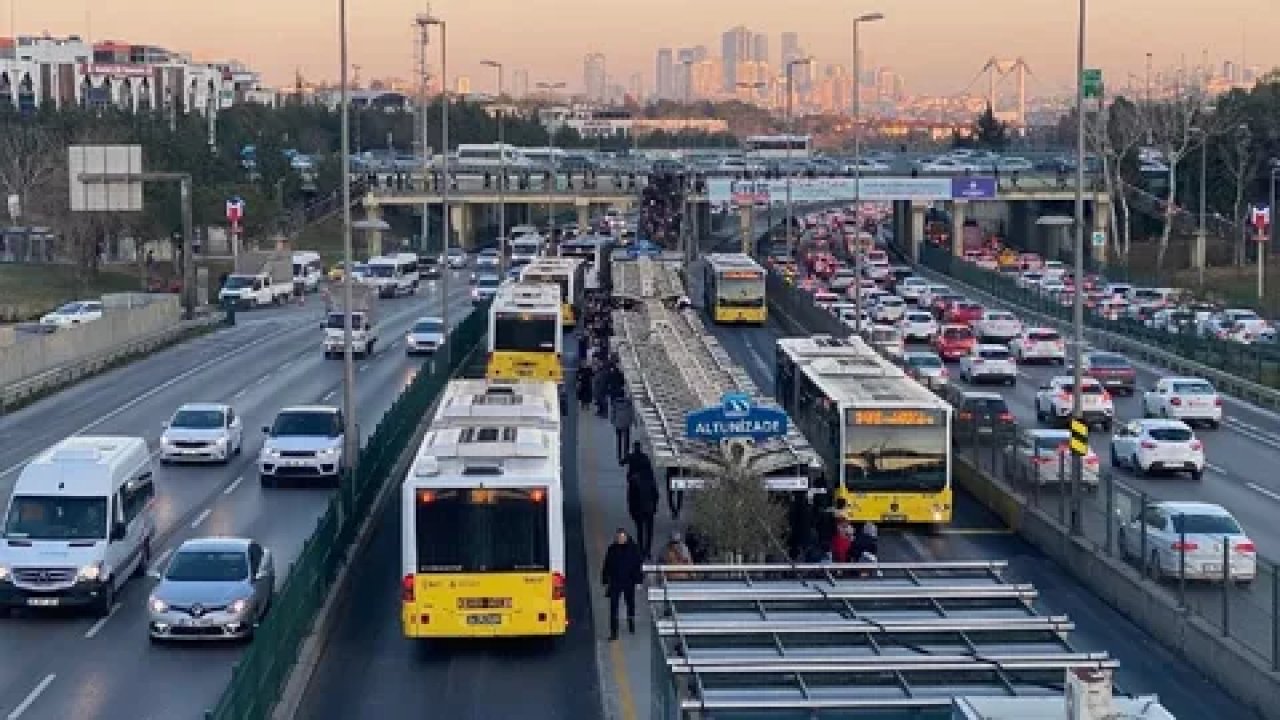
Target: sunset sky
x=937 y=45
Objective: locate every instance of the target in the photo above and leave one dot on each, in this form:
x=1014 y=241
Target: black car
x=979 y=416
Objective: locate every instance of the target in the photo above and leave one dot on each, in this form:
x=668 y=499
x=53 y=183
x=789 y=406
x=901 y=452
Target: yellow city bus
x=734 y=289
x=884 y=439
x=567 y=272
x=482 y=517
x=525 y=338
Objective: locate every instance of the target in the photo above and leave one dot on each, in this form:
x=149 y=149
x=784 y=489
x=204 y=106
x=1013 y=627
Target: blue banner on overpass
x=726 y=191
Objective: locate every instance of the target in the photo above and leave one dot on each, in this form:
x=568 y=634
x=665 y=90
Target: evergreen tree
x=989 y=133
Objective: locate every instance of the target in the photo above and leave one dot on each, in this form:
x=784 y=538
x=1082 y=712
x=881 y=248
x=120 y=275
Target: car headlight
x=331 y=451
x=4 y=573
x=157 y=605
x=89 y=573
x=238 y=607
x=221 y=442
x=270 y=452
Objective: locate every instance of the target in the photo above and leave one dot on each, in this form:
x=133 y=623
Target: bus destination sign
x=896 y=416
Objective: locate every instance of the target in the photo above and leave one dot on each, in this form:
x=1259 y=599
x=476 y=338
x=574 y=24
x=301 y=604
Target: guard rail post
x=1226 y=583
x=1275 y=619
x=1182 y=561
x=1142 y=524
x=1109 y=482
x=1062 y=485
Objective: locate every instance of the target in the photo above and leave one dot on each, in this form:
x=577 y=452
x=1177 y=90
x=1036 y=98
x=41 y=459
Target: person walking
x=624 y=415
x=623 y=570
x=584 y=381
x=642 y=496
x=600 y=389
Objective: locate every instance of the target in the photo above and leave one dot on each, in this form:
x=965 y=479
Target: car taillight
x=1148 y=445
x=1005 y=417
x=966 y=416
x=1217 y=402
x=406 y=589
x=557 y=586
x=1244 y=546
x=1091 y=460
x=1184 y=546
x=1064 y=396
x=1106 y=396
x=1197 y=445
x=1175 y=401
x=977 y=361
x=944 y=373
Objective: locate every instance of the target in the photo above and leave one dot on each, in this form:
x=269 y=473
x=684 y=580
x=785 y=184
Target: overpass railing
x=259 y=678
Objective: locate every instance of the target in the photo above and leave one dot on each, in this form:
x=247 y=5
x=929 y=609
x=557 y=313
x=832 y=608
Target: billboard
x=726 y=191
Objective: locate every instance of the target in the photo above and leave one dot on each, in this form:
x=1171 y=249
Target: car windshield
x=197 y=419
x=1194 y=524
x=1085 y=388
x=68 y=309
x=236 y=282
x=41 y=517
x=957 y=333
x=994 y=353
x=487 y=282
x=1044 y=336
x=428 y=326
x=999 y=316
x=382 y=271
x=306 y=424
x=924 y=361
x=1109 y=361
x=985 y=405
x=208 y=566
x=1169 y=434
x=1193 y=388
x=920 y=318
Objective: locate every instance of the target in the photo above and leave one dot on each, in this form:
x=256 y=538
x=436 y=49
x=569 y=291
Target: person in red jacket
x=842 y=542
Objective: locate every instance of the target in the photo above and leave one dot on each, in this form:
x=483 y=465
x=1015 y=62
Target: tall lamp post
x=555 y=164
x=791 y=65
x=1077 y=301
x=350 y=437
x=1201 y=228
x=857 y=164
x=502 y=176
x=749 y=229
x=445 y=220
x=423 y=36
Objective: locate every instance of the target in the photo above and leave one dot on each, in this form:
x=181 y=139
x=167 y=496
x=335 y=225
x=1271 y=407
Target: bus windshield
x=464 y=530
x=561 y=280
x=896 y=458
x=521 y=332
x=740 y=292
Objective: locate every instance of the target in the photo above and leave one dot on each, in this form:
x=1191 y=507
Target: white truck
x=260 y=278
x=364 y=323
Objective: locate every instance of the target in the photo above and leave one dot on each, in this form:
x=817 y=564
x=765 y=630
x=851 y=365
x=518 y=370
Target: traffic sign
x=1079 y=438
x=1099 y=239
x=735 y=416
x=1091 y=79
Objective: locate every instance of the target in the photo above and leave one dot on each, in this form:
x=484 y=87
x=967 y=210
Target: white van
x=307 y=270
x=394 y=275
x=78 y=525
x=525 y=248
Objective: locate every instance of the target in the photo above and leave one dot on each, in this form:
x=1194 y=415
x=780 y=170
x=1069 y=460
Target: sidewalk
x=624 y=665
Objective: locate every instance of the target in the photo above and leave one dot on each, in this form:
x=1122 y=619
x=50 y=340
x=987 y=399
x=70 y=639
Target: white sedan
x=918 y=326
x=989 y=362
x=1184 y=398
x=997 y=326
x=74 y=313
x=1153 y=445
x=1039 y=344
x=1189 y=539
x=202 y=432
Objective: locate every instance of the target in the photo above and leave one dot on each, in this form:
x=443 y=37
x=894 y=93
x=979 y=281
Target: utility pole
x=502 y=176
x=425 y=147
x=791 y=64
x=1077 y=302
x=350 y=431
x=857 y=167
x=444 y=164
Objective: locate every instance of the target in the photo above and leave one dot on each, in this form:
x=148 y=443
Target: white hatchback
x=889 y=309
x=910 y=288
x=918 y=326
x=989 y=363
x=1153 y=445
x=1039 y=344
x=998 y=325
x=1184 y=398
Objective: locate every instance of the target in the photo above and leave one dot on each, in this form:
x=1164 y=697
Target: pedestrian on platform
x=600 y=390
x=624 y=415
x=642 y=496
x=866 y=544
x=842 y=542
x=584 y=384
x=675 y=552
x=623 y=570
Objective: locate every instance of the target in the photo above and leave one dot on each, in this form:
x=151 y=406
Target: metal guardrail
x=258 y=680
x=1247 y=372
x=19 y=392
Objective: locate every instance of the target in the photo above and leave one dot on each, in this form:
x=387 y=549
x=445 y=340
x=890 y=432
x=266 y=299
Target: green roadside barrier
x=259 y=678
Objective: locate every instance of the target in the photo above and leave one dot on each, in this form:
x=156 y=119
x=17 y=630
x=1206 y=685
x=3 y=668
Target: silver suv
x=304 y=443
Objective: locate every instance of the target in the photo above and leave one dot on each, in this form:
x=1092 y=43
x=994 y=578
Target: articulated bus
x=482 y=517
x=568 y=273
x=778 y=147
x=525 y=338
x=884 y=439
x=734 y=289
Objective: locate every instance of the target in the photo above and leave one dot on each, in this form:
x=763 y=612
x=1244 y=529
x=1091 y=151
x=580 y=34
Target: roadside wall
x=126 y=317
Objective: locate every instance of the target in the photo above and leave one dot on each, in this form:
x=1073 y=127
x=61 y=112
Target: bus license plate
x=893 y=517
x=487 y=619
x=42 y=601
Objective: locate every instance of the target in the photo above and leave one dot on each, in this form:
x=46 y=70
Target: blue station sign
x=735 y=416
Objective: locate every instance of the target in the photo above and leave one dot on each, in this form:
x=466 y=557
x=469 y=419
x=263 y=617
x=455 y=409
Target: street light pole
x=555 y=166
x=791 y=64
x=351 y=439
x=1202 y=238
x=502 y=177
x=857 y=167
x=423 y=39
x=445 y=220
x=1077 y=299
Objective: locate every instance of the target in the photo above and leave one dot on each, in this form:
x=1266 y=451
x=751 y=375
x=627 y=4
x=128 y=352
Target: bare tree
x=1176 y=127
x=1114 y=136
x=1242 y=163
x=31 y=159
x=735 y=511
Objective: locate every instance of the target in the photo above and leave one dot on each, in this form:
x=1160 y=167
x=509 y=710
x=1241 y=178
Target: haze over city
x=937 y=47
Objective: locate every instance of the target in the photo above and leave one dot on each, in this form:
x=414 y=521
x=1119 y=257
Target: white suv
x=1148 y=446
x=888 y=309
x=911 y=287
x=1184 y=398
x=1039 y=344
x=917 y=325
x=1055 y=402
x=989 y=362
x=997 y=326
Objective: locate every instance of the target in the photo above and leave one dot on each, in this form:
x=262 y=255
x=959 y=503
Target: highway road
x=63 y=666
x=369 y=669
x=975 y=534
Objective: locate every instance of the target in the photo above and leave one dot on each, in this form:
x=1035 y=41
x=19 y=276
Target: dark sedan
x=1113 y=370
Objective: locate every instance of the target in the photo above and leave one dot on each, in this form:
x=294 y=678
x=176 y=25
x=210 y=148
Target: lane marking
x=1214 y=468
x=329 y=395
x=239 y=393
x=285 y=366
x=263 y=379
x=204 y=515
x=1269 y=493
x=160 y=561
x=233 y=486
x=32 y=697
x=102 y=621
x=364 y=366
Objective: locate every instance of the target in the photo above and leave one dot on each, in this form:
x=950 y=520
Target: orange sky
x=938 y=45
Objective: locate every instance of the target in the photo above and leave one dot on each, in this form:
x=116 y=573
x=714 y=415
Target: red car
x=963 y=312
x=954 y=341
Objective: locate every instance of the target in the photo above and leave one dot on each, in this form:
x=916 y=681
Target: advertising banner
x=729 y=192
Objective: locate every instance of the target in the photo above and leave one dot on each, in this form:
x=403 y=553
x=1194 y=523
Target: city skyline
x=939 y=51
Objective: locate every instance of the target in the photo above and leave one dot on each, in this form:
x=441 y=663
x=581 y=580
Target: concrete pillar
x=373 y=214
x=1102 y=224
x=746 y=225
x=917 y=228
x=902 y=223
x=584 y=214
x=460 y=226
x=958 y=208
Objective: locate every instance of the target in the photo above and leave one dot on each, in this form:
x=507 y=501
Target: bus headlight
x=89 y=573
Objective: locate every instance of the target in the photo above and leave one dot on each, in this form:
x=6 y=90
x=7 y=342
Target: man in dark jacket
x=642 y=496
x=623 y=416
x=623 y=570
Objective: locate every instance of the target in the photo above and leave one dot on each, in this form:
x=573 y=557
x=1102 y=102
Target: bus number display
x=741 y=275
x=896 y=417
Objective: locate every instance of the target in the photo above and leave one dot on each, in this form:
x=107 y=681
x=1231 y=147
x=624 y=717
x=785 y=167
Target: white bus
x=394 y=275
x=492 y=156
x=482 y=517
x=778 y=147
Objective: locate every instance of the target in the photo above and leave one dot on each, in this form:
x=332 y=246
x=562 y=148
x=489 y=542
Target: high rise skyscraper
x=664 y=76
x=760 y=48
x=736 y=47
x=595 y=77
x=519 y=83
x=790 y=48
x=635 y=87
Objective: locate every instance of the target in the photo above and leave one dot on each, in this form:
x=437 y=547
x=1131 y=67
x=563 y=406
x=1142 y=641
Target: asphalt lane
x=370 y=670
x=975 y=534
x=77 y=667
